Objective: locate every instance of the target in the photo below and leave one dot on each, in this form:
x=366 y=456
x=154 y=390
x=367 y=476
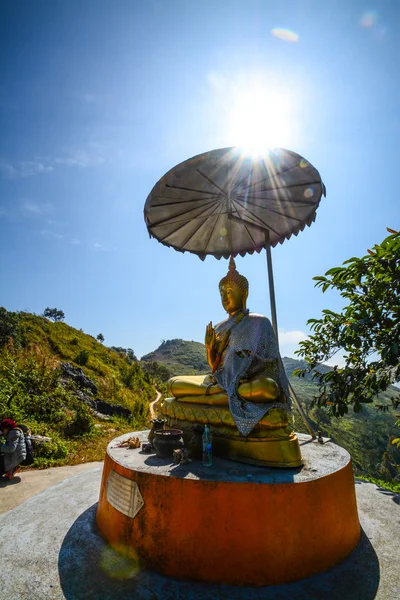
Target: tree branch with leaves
x=54 y=314
x=367 y=330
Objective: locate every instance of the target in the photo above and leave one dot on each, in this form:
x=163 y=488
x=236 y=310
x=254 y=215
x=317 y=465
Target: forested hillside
x=58 y=380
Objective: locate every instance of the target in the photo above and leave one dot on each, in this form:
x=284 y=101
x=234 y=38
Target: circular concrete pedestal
x=230 y=523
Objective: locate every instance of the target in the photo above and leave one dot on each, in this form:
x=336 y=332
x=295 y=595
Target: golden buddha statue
x=245 y=400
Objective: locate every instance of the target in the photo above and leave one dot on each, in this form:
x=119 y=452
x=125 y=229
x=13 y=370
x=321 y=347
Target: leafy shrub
x=29 y=385
x=130 y=375
x=82 y=358
x=367 y=330
x=82 y=422
x=157 y=370
x=9 y=327
x=48 y=453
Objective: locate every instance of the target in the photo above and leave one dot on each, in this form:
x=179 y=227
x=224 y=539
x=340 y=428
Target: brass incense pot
x=166 y=441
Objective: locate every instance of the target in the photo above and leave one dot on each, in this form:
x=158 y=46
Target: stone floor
x=50 y=549
x=27 y=483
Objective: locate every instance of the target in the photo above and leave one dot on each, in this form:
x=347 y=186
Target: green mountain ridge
x=180 y=357
x=189 y=358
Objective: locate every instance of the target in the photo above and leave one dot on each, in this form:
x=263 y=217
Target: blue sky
x=98 y=99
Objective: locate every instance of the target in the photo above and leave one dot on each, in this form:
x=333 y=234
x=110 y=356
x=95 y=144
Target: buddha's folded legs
x=200 y=389
x=192 y=385
x=259 y=389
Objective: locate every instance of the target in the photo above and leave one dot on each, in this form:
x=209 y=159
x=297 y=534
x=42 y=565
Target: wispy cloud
x=85 y=96
x=53 y=234
x=102 y=247
x=289 y=341
x=28 y=209
x=337 y=360
x=24 y=168
x=40 y=215
x=48 y=233
x=90 y=156
x=31 y=208
x=89 y=97
x=80 y=159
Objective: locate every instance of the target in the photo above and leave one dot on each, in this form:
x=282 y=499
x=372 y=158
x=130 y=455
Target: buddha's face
x=232 y=297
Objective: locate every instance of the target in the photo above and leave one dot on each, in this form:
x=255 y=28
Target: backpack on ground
x=30 y=454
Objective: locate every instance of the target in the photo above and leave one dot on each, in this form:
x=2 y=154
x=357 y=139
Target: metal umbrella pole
x=275 y=327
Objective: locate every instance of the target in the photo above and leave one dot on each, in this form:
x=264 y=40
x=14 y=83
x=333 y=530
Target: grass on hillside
x=80 y=449
x=119 y=380
x=32 y=393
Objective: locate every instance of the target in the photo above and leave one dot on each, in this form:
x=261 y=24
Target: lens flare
x=286 y=35
x=369 y=19
x=309 y=192
x=116 y=563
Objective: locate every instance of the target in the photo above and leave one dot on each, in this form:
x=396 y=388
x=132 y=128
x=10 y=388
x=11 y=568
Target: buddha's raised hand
x=210 y=337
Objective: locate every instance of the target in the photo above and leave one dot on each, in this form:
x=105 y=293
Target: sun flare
x=261 y=118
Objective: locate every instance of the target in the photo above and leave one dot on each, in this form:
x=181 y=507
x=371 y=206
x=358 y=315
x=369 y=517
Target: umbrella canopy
x=222 y=203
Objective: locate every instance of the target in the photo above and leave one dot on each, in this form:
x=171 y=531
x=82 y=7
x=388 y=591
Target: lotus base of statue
x=272 y=442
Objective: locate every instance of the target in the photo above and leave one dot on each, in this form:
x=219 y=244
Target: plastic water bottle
x=207 y=447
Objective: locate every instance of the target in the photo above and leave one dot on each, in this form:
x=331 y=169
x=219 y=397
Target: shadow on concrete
x=394 y=496
x=4 y=482
x=155 y=461
x=89 y=569
x=233 y=470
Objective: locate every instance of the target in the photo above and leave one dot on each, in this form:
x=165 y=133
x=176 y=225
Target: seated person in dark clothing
x=13 y=448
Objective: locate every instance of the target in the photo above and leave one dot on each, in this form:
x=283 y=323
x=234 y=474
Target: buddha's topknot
x=233 y=276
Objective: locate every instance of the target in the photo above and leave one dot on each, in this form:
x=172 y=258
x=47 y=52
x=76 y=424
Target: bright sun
x=260 y=118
